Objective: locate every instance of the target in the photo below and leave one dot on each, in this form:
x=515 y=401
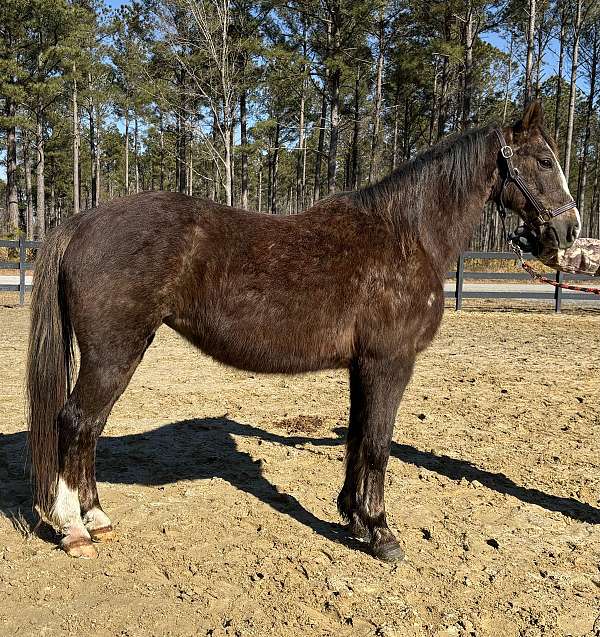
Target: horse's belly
x=269 y=347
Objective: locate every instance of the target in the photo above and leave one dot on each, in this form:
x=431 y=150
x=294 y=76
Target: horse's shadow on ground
x=205 y=448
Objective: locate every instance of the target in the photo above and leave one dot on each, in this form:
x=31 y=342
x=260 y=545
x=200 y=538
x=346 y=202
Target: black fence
x=22 y=265
x=537 y=292
x=458 y=293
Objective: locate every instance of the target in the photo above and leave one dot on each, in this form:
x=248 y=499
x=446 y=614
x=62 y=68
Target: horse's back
x=262 y=292
x=273 y=293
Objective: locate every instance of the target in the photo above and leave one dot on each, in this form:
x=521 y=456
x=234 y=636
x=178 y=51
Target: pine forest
x=271 y=105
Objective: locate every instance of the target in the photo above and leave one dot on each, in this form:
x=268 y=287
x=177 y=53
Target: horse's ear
x=533 y=117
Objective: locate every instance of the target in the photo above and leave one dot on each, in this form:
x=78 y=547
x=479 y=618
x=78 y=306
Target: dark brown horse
x=355 y=282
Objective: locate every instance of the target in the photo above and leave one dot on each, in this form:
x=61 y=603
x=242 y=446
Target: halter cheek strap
x=511 y=174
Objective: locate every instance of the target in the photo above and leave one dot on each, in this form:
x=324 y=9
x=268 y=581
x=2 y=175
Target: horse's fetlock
x=344 y=505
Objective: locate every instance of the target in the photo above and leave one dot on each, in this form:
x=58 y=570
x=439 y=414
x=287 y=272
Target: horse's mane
x=442 y=173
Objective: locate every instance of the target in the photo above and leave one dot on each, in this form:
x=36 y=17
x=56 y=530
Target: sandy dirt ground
x=222 y=486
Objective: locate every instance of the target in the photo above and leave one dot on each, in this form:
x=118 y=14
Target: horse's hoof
x=102 y=534
x=388 y=552
x=81 y=547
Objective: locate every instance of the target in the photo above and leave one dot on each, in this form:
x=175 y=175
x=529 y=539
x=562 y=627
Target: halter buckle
x=506 y=152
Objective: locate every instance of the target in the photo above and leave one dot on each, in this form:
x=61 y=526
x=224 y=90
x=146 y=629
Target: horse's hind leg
x=104 y=374
x=376 y=388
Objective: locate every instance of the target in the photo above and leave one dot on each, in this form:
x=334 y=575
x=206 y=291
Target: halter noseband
x=512 y=174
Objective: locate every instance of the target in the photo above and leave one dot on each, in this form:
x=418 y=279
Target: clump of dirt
x=301 y=424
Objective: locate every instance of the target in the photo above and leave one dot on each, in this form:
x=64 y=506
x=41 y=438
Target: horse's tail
x=50 y=363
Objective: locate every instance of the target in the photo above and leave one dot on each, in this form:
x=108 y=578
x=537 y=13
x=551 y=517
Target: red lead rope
x=542 y=279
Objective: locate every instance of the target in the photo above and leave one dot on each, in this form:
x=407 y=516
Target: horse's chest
x=406 y=315
x=431 y=319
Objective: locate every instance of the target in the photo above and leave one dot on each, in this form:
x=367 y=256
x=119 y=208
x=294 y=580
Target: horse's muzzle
x=562 y=231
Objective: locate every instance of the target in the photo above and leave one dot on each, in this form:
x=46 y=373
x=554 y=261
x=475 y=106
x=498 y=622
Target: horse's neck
x=445 y=227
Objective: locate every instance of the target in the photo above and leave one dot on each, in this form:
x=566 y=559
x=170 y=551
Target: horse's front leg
x=376 y=387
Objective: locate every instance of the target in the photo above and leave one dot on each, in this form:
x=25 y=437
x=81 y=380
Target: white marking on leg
x=430 y=300
x=96 y=519
x=66 y=512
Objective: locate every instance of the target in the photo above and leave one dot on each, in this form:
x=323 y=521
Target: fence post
x=460 y=273
x=558 y=292
x=22 y=262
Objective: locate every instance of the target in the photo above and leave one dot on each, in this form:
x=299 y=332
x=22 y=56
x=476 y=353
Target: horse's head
x=532 y=183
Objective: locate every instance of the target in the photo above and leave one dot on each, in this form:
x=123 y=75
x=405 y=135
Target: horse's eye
x=545 y=163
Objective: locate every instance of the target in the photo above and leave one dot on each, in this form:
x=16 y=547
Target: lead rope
x=542 y=279
x=536 y=275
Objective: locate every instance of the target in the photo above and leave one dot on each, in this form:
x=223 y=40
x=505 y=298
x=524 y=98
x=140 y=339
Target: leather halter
x=512 y=174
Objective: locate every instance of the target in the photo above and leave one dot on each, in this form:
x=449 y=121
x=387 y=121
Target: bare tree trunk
x=530 y=48
x=190 y=177
x=301 y=158
x=215 y=165
x=97 y=171
x=301 y=163
x=334 y=130
x=178 y=180
x=12 y=195
x=508 y=78
x=406 y=129
x=434 y=102
x=162 y=153
x=244 y=157
x=581 y=185
x=540 y=55
x=228 y=162
x=561 y=58
x=127 y=151
x=259 y=188
x=443 y=99
x=136 y=154
x=76 y=146
x=572 y=90
x=321 y=142
x=275 y=170
x=377 y=103
x=355 y=136
x=269 y=175
x=52 y=205
x=93 y=173
x=41 y=186
x=396 y=126
x=595 y=207
x=468 y=75
x=232 y=162
x=28 y=188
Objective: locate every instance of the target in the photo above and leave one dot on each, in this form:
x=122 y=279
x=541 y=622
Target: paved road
x=521 y=288
x=11 y=279
x=524 y=288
